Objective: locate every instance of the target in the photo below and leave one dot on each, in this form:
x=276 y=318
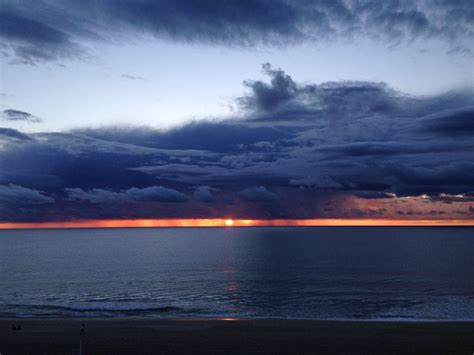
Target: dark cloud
x=234 y=21
x=40 y=30
x=362 y=147
x=258 y=194
x=456 y=123
x=436 y=213
x=32 y=40
x=284 y=100
x=390 y=148
x=368 y=213
x=52 y=160
x=268 y=97
x=410 y=213
x=449 y=198
x=436 y=175
x=148 y=194
x=20 y=28
x=374 y=194
x=12 y=133
x=16 y=115
x=12 y=195
x=226 y=136
x=203 y=193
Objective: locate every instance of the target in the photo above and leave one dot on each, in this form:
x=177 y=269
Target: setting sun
x=229 y=222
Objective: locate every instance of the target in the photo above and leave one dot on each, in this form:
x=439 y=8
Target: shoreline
x=238 y=318
x=130 y=335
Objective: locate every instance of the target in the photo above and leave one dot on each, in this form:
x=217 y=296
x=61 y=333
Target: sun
x=229 y=222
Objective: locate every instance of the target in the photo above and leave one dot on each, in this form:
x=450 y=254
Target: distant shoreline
x=242 y=336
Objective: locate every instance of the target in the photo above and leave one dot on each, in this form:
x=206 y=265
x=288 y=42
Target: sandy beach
x=220 y=336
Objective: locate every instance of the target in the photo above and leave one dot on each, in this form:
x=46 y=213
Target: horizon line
x=229 y=223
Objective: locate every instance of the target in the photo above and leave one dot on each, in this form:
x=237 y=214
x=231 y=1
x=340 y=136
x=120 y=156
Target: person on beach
x=82 y=329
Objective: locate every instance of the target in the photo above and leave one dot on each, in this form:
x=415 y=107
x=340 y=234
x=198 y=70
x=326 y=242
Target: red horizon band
x=224 y=222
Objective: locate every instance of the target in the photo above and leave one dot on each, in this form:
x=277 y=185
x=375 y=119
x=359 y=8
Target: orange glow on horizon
x=220 y=222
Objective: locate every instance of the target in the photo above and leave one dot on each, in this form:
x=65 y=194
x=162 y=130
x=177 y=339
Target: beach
x=234 y=336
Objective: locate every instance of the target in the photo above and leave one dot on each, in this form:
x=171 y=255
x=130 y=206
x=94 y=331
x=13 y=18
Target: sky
x=338 y=109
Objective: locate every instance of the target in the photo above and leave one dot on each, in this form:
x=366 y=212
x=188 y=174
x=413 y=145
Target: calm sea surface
x=368 y=273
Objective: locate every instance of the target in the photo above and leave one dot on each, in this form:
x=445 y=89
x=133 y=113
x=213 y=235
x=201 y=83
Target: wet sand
x=178 y=336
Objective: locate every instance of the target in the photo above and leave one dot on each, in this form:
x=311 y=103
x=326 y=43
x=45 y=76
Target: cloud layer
x=35 y=31
x=16 y=115
x=332 y=150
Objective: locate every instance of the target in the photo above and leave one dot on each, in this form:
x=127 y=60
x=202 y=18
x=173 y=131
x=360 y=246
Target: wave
x=95 y=308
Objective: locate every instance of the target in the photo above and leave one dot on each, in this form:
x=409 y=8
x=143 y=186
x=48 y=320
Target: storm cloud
x=282 y=99
x=35 y=31
x=296 y=150
x=453 y=123
x=16 y=195
x=258 y=193
x=152 y=193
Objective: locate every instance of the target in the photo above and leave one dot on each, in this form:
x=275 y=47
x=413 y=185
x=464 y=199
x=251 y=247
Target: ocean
x=371 y=273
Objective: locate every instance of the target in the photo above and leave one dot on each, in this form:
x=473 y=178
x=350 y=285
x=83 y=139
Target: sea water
x=272 y=272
